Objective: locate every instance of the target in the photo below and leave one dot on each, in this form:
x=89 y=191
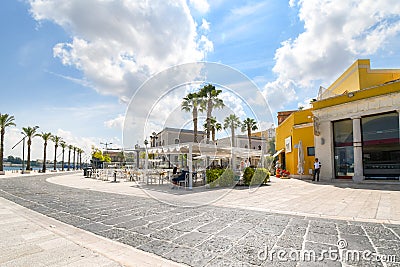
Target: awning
x=277 y=153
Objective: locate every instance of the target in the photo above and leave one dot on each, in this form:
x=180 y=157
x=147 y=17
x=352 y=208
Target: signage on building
x=288 y=144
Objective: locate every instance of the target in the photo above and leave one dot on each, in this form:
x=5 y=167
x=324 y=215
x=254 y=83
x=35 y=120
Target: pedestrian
x=317 y=168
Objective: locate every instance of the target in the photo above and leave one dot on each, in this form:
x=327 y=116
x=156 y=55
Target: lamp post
x=106 y=144
x=146 y=160
x=23 y=151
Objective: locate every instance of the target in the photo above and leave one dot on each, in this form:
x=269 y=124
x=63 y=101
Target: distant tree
x=5 y=121
x=215 y=127
x=70 y=147
x=74 y=166
x=249 y=125
x=46 y=137
x=30 y=132
x=232 y=122
x=56 y=140
x=63 y=146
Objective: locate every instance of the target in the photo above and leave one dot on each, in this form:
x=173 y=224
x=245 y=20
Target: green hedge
x=220 y=177
x=257 y=176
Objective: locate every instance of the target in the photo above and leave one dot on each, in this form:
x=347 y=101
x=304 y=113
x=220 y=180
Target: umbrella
x=300 y=158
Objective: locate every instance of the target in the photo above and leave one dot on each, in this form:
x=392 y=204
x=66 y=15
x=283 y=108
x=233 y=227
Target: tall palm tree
x=210 y=96
x=46 y=137
x=56 y=140
x=80 y=158
x=70 y=147
x=249 y=125
x=232 y=122
x=215 y=127
x=5 y=121
x=193 y=102
x=30 y=132
x=74 y=166
x=63 y=146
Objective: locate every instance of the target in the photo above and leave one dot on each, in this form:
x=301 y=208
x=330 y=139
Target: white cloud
x=200 y=5
x=205 y=25
x=117 y=122
x=125 y=41
x=334 y=36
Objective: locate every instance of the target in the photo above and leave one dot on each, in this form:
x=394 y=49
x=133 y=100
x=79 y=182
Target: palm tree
x=215 y=127
x=249 y=125
x=46 y=137
x=5 y=121
x=80 y=158
x=63 y=146
x=56 y=140
x=30 y=132
x=210 y=96
x=233 y=122
x=192 y=102
x=70 y=147
x=74 y=166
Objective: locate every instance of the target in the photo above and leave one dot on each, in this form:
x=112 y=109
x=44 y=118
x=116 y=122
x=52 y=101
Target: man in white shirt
x=317 y=168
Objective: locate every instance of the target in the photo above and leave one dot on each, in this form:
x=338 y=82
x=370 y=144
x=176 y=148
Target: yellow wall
x=299 y=126
x=360 y=76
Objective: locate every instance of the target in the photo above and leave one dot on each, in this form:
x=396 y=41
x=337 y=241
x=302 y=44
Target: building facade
x=295 y=131
x=356 y=125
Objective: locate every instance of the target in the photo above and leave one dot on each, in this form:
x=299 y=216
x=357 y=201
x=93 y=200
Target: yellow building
x=356 y=123
x=295 y=126
x=353 y=126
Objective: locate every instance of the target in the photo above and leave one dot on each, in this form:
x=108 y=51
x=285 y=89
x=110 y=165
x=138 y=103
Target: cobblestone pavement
x=209 y=235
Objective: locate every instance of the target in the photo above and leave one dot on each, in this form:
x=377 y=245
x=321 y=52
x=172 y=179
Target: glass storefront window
x=381 y=146
x=344 y=153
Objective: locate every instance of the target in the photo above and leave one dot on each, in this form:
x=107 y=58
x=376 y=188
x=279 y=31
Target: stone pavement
x=368 y=202
x=29 y=238
x=212 y=234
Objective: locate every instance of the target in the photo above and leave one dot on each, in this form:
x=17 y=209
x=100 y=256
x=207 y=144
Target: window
x=176 y=141
x=311 y=151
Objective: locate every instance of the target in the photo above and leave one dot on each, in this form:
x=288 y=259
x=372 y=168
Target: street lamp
x=23 y=151
x=106 y=144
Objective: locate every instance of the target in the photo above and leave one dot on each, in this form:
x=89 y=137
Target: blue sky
x=72 y=66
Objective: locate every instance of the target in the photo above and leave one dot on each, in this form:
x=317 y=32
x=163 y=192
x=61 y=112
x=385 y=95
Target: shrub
x=227 y=178
x=220 y=177
x=255 y=176
x=247 y=175
x=261 y=176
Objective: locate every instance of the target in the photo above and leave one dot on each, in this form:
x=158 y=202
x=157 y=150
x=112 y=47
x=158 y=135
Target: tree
x=232 y=122
x=63 y=146
x=5 y=121
x=56 y=140
x=193 y=102
x=211 y=101
x=215 y=126
x=70 y=147
x=249 y=125
x=74 y=166
x=46 y=137
x=30 y=132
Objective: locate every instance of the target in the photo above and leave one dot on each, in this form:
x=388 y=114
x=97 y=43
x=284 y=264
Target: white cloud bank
x=119 y=44
x=335 y=34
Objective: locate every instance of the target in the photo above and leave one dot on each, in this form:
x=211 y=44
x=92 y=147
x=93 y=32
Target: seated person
x=180 y=177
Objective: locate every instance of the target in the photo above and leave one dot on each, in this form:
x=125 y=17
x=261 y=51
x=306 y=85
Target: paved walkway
x=112 y=224
x=29 y=238
x=369 y=202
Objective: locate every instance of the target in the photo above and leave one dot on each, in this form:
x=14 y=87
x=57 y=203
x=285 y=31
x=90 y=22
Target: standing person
x=317 y=168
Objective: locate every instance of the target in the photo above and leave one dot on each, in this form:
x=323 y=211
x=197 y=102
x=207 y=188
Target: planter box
x=2 y=172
